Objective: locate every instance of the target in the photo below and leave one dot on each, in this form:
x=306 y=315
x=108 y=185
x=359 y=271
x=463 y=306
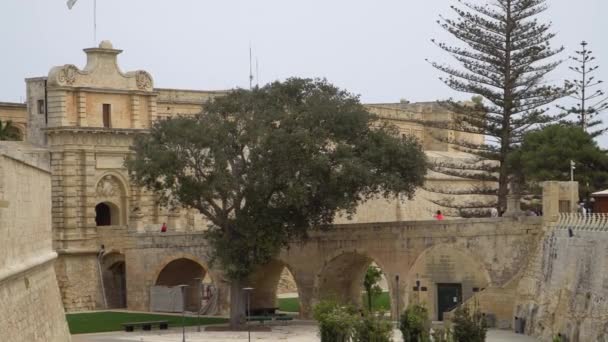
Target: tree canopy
x=266 y=165
x=504 y=56
x=545 y=155
x=8 y=131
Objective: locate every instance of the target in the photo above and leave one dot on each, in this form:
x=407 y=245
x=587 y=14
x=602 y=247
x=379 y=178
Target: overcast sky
x=375 y=48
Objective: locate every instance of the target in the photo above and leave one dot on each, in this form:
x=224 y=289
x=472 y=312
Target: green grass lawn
x=381 y=302
x=83 y=323
x=289 y=304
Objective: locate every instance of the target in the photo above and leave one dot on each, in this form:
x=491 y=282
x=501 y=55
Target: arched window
x=106 y=214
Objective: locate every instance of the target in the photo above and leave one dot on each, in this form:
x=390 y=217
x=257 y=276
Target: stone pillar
x=82 y=109
x=513 y=206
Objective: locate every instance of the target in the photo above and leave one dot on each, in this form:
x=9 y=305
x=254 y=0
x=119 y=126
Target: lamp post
x=397 y=297
x=248 y=291
x=573 y=200
x=183 y=290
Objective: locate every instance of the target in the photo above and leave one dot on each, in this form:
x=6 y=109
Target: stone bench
x=162 y=325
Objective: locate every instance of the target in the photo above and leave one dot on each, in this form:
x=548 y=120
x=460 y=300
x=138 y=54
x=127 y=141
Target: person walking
x=163 y=229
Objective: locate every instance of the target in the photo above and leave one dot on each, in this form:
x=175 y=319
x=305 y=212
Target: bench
x=262 y=311
x=260 y=319
x=279 y=318
x=162 y=325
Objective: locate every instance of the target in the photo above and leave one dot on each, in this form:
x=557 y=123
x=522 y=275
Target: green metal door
x=448 y=297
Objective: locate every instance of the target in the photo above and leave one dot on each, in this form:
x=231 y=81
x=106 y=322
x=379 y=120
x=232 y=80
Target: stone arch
x=341 y=277
x=440 y=269
x=112 y=191
x=265 y=280
x=184 y=269
x=107 y=214
x=114 y=279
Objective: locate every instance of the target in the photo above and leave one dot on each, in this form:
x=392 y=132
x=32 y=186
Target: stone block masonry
x=30 y=303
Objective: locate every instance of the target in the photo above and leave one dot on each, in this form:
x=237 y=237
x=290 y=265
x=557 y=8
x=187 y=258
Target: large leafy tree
x=371 y=284
x=590 y=99
x=545 y=154
x=504 y=57
x=265 y=166
x=8 y=131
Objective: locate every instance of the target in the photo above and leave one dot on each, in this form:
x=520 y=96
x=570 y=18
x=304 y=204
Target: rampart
x=31 y=308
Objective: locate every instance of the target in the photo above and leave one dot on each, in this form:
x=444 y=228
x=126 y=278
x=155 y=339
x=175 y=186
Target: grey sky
x=373 y=48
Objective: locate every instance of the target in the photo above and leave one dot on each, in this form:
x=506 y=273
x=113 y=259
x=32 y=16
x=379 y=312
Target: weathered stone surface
x=30 y=303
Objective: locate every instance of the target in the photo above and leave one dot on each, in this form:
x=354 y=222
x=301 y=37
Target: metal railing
x=579 y=221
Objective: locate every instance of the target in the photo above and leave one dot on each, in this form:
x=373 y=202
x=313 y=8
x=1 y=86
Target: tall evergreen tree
x=590 y=101
x=504 y=59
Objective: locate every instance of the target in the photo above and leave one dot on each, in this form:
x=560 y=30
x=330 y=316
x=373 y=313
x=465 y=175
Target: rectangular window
x=564 y=206
x=107 y=115
x=40 y=106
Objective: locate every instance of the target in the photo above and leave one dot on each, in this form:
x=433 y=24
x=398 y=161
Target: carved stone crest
x=143 y=79
x=108 y=187
x=67 y=75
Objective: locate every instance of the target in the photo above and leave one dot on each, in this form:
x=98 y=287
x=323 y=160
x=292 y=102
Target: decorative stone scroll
x=143 y=79
x=109 y=186
x=67 y=75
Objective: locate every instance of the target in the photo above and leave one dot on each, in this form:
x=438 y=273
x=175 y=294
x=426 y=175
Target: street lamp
x=573 y=200
x=183 y=290
x=397 y=296
x=248 y=291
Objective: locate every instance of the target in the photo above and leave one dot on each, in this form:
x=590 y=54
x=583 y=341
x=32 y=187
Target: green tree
x=545 y=154
x=590 y=101
x=373 y=275
x=504 y=56
x=415 y=325
x=265 y=166
x=8 y=131
x=469 y=325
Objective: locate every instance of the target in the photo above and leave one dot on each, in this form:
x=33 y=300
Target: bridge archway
x=114 y=280
x=444 y=276
x=342 y=277
x=266 y=280
x=184 y=271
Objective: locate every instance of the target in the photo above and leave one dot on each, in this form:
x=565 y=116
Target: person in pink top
x=439 y=215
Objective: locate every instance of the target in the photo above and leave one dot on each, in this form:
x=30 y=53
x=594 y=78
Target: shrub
x=415 y=325
x=371 y=328
x=442 y=335
x=469 y=326
x=336 y=322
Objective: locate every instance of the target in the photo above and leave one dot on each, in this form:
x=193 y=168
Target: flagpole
x=94 y=22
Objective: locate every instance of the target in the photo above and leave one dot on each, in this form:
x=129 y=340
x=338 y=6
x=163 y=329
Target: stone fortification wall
x=565 y=288
x=29 y=295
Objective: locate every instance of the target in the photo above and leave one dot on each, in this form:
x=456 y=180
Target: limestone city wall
x=30 y=301
x=565 y=288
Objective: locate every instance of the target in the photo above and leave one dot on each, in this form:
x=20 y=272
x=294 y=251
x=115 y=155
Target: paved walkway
x=291 y=333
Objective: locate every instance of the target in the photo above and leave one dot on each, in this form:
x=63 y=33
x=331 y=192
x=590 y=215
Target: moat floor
x=292 y=333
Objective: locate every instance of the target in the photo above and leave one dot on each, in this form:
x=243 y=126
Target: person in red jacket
x=163 y=228
x=439 y=215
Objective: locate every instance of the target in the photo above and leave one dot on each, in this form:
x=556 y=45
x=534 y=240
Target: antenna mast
x=250 y=69
x=257 y=73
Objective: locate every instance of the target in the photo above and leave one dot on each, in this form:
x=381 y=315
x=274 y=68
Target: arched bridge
x=435 y=262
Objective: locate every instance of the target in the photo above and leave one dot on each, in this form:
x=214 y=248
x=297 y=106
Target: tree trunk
x=237 y=304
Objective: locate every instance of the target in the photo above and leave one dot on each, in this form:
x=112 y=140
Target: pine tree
x=590 y=101
x=504 y=59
